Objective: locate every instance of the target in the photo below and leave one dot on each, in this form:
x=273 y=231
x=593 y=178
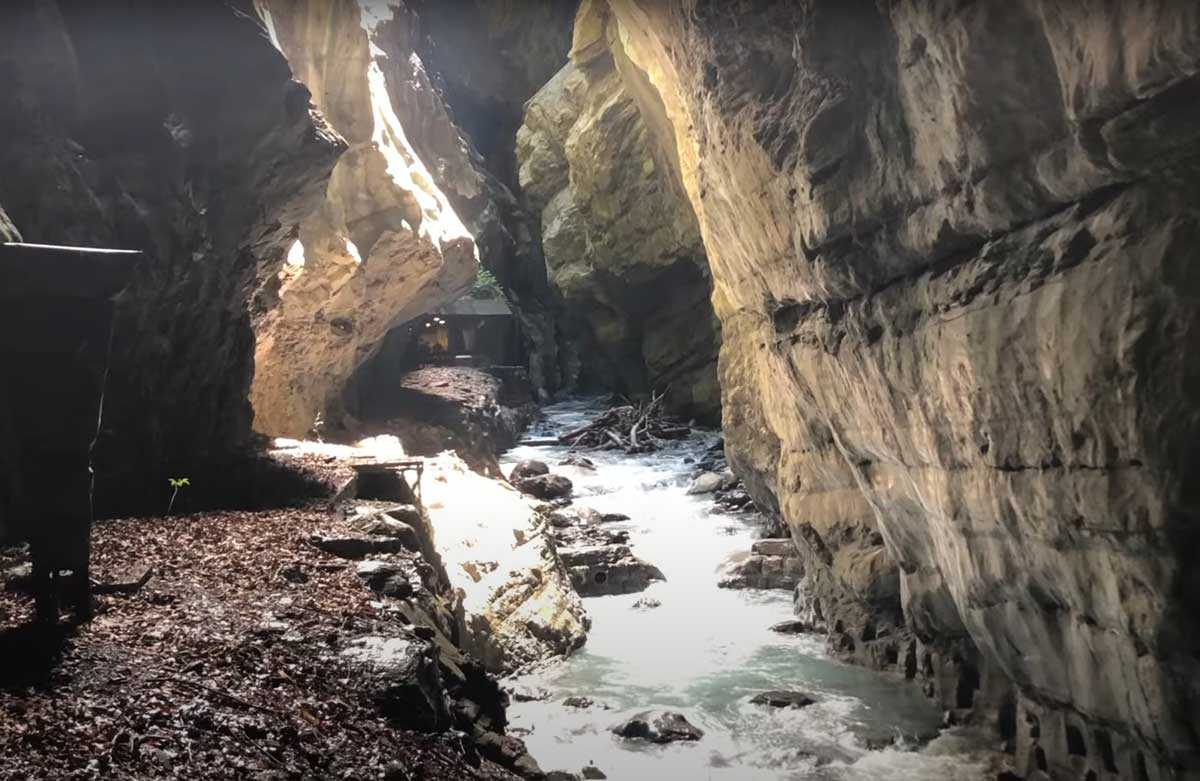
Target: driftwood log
x=634 y=428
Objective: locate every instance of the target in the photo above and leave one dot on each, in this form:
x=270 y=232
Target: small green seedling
x=176 y=483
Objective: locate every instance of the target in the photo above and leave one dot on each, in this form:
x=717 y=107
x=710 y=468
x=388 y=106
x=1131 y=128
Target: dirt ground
x=223 y=666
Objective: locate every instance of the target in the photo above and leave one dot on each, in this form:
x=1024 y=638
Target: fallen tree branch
x=632 y=428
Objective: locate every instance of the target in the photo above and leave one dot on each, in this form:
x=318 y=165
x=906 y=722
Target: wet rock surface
x=941 y=321
x=598 y=570
x=528 y=469
x=765 y=572
x=520 y=607
x=782 y=699
x=545 y=487
x=658 y=727
x=391 y=579
x=405 y=678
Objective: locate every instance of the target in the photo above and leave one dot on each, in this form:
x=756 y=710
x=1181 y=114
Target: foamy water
x=706 y=651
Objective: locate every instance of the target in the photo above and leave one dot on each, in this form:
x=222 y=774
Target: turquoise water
x=706 y=651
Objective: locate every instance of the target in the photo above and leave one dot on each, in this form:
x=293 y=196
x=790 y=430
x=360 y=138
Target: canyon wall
x=386 y=245
x=175 y=129
x=951 y=249
x=621 y=243
x=486 y=58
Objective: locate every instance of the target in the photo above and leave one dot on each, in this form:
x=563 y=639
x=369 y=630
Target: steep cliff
x=175 y=129
x=386 y=245
x=950 y=247
x=621 y=243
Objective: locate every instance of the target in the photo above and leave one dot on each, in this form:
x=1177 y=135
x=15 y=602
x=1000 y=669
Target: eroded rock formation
x=175 y=129
x=950 y=246
x=519 y=608
x=621 y=243
x=386 y=245
x=487 y=58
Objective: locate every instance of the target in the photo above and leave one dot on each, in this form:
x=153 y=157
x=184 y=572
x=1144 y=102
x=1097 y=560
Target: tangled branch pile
x=634 y=428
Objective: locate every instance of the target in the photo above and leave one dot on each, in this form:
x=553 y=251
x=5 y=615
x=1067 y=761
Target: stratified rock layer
x=175 y=129
x=386 y=245
x=621 y=243
x=951 y=246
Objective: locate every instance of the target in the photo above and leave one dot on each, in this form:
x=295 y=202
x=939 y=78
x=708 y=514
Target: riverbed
x=705 y=651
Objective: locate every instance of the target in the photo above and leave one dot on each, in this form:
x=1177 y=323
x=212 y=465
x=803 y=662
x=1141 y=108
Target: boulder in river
x=530 y=694
x=776 y=547
x=658 y=727
x=545 y=487
x=706 y=483
x=576 y=515
x=782 y=699
x=579 y=536
x=734 y=499
x=527 y=469
x=601 y=570
x=579 y=462
x=794 y=627
x=765 y=572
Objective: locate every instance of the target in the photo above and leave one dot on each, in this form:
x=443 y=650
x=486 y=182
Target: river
x=706 y=651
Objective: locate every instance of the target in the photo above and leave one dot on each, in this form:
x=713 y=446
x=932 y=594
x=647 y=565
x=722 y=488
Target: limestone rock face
x=487 y=58
x=175 y=129
x=518 y=606
x=951 y=247
x=386 y=246
x=621 y=243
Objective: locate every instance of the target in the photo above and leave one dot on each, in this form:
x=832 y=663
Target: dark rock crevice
x=118 y=128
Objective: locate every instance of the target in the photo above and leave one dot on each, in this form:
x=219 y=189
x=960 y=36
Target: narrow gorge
x=612 y=388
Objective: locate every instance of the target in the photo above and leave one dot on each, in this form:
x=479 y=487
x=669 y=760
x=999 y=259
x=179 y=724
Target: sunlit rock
x=951 y=250
x=621 y=241
x=386 y=245
x=518 y=602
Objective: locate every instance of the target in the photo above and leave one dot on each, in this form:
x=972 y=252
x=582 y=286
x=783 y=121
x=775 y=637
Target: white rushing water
x=706 y=651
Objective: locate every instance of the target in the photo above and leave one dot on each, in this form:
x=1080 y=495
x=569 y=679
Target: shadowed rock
x=359 y=547
x=600 y=570
x=782 y=699
x=526 y=469
x=405 y=679
x=545 y=487
x=658 y=727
